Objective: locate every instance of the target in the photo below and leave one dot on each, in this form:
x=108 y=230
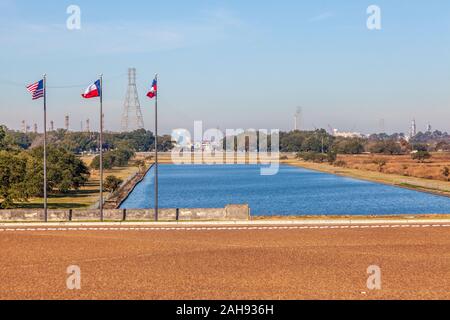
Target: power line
x=68 y=86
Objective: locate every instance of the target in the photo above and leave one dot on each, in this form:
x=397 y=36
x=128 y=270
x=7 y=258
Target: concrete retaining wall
x=229 y=213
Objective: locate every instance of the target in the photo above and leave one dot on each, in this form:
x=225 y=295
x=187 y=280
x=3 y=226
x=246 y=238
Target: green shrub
x=112 y=183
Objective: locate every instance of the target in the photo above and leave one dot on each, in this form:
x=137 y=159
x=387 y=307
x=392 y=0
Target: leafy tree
x=421 y=156
x=115 y=158
x=141 y=165
x=420 y=147
x=65 y=171
x=349 y=146
x=2 y=138
x=12 y=179
x=331 y=157
x=165 y=143
x=19 y=139
x=292 y=142
x=312 y=156
x=442 y=146
x=389 y=147
x=108 y=161
x=112 y=183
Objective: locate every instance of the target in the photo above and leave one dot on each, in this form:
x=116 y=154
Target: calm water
x=294 y=191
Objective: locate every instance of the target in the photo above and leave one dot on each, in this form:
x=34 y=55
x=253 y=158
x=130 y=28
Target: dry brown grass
x=401 y=165
x=399 y=171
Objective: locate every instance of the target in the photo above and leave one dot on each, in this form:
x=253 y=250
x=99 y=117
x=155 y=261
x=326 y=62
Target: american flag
x=36 y=89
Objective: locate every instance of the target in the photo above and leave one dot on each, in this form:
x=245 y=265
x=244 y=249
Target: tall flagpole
x=156 y=153
x=45 y=149
x=101 y=148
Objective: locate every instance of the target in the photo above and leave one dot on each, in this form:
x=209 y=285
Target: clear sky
x=232 y=63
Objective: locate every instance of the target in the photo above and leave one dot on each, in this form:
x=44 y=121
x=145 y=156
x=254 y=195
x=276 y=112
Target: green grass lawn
x=87 y=196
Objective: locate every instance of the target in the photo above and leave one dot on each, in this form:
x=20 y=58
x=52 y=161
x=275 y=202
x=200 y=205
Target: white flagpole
x=101 y=148
x=156 y=153
x=45 y=149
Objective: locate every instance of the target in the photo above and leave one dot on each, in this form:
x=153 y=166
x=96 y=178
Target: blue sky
x=232 y=64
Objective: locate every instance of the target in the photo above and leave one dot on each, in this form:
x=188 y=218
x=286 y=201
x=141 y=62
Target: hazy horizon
x=232 y=64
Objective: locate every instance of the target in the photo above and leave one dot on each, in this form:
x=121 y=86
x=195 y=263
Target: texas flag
x=154 y=90
x=94 y=90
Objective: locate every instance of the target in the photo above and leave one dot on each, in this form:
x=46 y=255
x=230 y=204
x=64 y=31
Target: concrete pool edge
x=360 y=221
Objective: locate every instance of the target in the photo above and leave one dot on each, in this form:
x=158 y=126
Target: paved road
x=296 y=262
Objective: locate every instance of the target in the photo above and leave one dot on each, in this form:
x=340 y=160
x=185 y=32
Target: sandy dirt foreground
x=227 y=264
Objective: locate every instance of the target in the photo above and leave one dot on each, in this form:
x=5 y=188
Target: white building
x=337 y=133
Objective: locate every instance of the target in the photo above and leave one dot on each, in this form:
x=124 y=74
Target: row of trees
x=80 y=142
x=319 y=146
x=13 y=140
x=115 y=158
x=320 y=141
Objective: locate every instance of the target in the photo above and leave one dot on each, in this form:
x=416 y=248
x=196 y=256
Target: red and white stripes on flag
x=154 y=90
x=36 y=89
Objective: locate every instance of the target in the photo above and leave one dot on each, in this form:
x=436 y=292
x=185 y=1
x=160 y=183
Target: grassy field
x=402 y=165
x=87 y=195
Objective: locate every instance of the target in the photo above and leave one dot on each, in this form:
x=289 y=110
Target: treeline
x=322 y=142
x=84 y=142
x=320 y=146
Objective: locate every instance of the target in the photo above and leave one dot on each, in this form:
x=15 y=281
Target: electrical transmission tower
x=132 y=118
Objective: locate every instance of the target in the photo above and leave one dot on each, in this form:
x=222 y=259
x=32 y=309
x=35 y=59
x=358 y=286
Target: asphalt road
x=216 y=263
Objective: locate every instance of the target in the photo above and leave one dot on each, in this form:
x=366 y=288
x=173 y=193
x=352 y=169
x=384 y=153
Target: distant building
x=337 y=133
x=207 y=146
x=67 y=123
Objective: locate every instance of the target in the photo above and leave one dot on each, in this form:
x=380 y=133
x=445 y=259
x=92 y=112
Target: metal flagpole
x=101 y=147
x=156 y=152
x=45 y=149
